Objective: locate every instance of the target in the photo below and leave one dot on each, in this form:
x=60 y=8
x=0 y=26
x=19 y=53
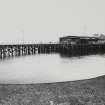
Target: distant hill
x=81 y=92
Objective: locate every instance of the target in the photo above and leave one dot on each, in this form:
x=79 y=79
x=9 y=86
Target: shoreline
x=56 y=82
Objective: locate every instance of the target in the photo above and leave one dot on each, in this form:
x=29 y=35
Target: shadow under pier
x=81 y=50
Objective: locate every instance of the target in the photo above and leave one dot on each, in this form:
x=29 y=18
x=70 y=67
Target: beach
x=80 y=92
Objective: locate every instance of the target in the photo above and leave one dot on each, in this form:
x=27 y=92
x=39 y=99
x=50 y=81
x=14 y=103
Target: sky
x=35 y=21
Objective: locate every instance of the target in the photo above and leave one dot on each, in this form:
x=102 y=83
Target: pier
x=69 y=45
x=26 y=49
x=64 y=49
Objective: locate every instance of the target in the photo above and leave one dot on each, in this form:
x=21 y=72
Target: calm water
x=50 y=68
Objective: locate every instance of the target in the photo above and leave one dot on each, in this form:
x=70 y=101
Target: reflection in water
x=50 y=68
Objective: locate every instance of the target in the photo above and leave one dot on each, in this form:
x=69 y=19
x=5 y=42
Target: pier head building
x=74 y=40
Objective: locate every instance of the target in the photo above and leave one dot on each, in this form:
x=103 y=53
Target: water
x=44 y=68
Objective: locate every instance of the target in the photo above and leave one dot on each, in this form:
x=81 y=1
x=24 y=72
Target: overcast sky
x=47 y=20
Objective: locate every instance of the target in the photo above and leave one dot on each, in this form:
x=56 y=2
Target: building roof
x=79 y=37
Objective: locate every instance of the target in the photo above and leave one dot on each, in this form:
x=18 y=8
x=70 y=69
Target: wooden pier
x=26 y=49
x=67 y=49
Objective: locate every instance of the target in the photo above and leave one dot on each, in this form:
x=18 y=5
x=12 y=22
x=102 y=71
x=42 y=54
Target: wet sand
x=81 y=92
